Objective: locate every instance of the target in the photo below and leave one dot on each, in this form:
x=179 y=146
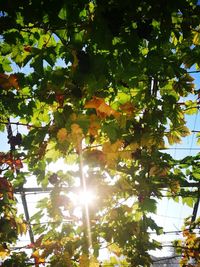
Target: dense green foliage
x=99 y=84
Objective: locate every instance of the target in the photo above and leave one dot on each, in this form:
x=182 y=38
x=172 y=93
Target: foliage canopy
x=99 y=83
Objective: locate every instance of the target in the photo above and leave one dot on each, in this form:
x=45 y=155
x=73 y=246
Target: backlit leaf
x=102 y=109
x=3 y=252
x=62 y=135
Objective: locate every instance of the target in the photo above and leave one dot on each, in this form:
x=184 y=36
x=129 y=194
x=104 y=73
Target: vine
x=101 y=86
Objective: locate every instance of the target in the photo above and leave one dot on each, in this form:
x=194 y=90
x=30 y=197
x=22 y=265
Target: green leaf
x=112 y=130
x=196 y=175
x=52 y=154
x=6 y=64
x=37 y=64
x=189 y=201
x=63 y=13
x=191 y=107
x=149 y=205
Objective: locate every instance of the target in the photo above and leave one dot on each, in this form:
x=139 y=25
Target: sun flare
x=86 y=197
x=83 y=198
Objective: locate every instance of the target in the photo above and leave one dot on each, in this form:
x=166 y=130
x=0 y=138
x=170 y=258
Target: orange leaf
x=37 y=257
x=94 y=103
x=62 y=135
x=18 y=164
x=6 y=186
x=103 y=110
x=127 y=108
x=7 y=82
x=13 y=81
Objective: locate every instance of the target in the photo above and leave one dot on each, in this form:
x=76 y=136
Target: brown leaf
x=8 y=81
x=6 y=186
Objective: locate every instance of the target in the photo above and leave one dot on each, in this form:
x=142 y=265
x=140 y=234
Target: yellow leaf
x=22 y=228
x=114 y=248
x=67 y=259
x=91 y=7
x=112 y=152
x=173 y=138
x=37 y=257
x=76 y=136
x=113 y=215
x=158 y=171
x=94 y=125
x=112 y=148
x=62 y=135
x=84 y=261
x=175 y=135
x=184 y=131
x=76 y=129
x=134 y=146
x=124 y=185
x=94 y=262
x=175 y=187
x=4 y=252
x=126 y=154
x=196 y=38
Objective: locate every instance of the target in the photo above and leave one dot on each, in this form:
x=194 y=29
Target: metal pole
x=25 y=206
x=23 y=196
x=196 y=206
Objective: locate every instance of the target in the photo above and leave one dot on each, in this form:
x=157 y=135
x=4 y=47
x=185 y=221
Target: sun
x=86 y=197
x=83 y=198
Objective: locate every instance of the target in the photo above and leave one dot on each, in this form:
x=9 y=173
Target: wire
x=167 y=258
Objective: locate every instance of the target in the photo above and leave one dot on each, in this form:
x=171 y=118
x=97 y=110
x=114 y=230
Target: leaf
x=3 y=252
x=189 y=201
x=22 y=228
x=161 y=171
x=84 y=261
x=94 y=262
x=18 y=164
x=114 y=248
x=111 y=152
x=63 y=13
x=191 y=107
x=102 y=109
x=175 y=135
x=51 y=152
x=127 y=108
x=62 y=135
x=196 y=175
x=94 y=125
x=196 y=37
x=8 y=81
x=149 y=205
x=6 y=187
x=38 y=258
x=112 y=130
x=94 y=157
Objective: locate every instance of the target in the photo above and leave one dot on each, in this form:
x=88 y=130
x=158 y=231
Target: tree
x=104 y=89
